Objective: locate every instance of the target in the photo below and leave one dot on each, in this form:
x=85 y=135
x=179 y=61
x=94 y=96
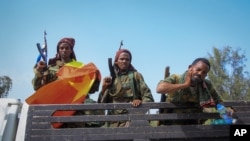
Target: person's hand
x=40 y=66
x=188 y=78
x=106 y=83
x=230 y=111
x=136 y=102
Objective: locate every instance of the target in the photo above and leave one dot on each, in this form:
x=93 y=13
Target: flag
x=74 y=82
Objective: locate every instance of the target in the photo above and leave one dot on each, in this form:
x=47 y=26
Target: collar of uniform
x=59 y=63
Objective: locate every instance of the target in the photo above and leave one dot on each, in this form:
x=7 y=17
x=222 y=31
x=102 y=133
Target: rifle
x=163 y=96
x=43 y=55
x=111 y=66
x=43 y=52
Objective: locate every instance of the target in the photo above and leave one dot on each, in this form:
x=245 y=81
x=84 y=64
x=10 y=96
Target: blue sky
x=157 y=32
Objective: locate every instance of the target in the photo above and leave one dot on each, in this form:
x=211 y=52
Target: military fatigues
x=201 y=95
x=43 y=78
x=125 y=89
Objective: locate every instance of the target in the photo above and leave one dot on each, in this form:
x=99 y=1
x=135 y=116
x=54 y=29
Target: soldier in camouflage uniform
x=46 y=74
x=128 y=86
x=190 y=88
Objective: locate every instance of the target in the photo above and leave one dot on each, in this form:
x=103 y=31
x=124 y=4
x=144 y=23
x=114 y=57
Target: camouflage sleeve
x=217 y=98
x=143 y=89
x=171 y=79
x=37 y=80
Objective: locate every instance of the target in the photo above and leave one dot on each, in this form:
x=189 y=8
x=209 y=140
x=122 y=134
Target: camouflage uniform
x=125 y=89
x=199 y=96
x=54 y=64
x=47 y=76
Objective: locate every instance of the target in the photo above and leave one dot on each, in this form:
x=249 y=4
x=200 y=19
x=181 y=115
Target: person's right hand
x=106 y=83
x=188 y=78
x=41 y=65
x=136 y=102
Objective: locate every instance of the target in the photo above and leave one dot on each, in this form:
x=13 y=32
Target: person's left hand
x=136 y=102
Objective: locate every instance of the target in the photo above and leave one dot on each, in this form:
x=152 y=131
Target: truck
x=22 y=122
x=10 y=110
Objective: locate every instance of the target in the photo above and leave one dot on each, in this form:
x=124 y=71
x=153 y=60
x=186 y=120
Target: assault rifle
x=111 y=65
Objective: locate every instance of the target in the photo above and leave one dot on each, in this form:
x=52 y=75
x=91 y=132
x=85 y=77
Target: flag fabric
x=74 y=82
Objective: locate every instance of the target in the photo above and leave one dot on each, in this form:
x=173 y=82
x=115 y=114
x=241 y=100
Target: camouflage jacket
x=48 y=76
x=126 y=88
x=203 y=94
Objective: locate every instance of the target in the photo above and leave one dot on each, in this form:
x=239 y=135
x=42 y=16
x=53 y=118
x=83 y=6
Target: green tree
x=228 y=73
x=5 y=86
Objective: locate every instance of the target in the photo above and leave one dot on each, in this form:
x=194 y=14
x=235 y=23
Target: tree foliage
x=228 y=73
x=5 y=86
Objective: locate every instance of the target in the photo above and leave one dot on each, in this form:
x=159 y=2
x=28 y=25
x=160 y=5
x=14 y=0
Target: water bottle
x=218 y=122
x=225 y=119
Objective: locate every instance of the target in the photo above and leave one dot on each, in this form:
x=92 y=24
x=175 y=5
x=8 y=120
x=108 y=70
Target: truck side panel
x=9 y=112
